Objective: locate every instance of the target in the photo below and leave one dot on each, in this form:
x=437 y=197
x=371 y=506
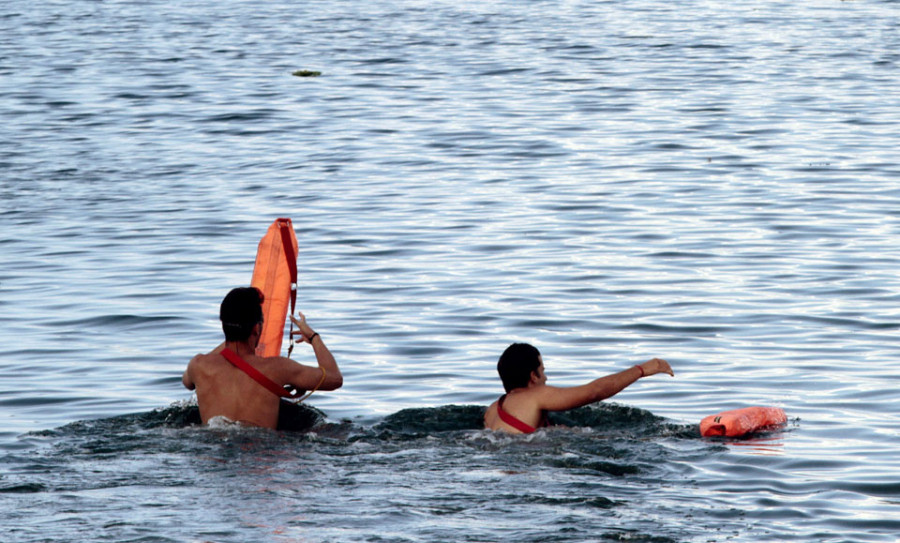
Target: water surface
x=611 y=181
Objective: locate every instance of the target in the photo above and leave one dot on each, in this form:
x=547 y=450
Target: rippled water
x=612 y=181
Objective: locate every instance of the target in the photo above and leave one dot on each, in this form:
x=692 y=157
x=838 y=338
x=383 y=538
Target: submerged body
x=225 y=391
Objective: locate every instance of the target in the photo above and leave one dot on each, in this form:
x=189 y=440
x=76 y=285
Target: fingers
x=304 y=331
x=662 y=366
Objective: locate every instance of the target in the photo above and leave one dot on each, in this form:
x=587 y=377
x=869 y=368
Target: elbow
x=338 y=382
x=334 y=382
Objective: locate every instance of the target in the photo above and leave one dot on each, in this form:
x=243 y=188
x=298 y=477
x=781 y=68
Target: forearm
x=326 y=361
x=610 y=385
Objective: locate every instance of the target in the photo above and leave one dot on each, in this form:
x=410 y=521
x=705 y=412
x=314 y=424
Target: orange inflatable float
x=275 y=274
x=740 y=422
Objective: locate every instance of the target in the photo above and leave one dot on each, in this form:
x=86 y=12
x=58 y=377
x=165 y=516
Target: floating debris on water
x=306 y=73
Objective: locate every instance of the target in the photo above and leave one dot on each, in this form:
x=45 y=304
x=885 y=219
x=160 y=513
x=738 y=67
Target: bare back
x=223 y=390
x=521 y=404
x=226 y=391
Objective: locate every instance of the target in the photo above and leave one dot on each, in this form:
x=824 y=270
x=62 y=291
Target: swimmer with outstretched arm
x=528 y=398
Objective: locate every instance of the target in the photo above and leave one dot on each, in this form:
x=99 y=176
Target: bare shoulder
x=491 y=420
x=196 y=360
x=201 y=358
x=201 y=361
x=551 y=398
x=196 y=368
x=532 y=393
x=282 y=366
x=279 y=362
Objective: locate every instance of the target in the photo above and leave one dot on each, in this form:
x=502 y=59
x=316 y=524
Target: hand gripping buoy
x=740 y=422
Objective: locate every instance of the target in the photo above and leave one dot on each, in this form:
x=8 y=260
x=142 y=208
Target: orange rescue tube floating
x=740 y=422
x=275 y=274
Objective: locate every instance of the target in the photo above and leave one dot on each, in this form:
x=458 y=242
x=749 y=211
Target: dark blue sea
x=716 y=184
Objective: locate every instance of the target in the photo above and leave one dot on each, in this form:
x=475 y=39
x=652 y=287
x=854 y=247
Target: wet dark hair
x=240 y=311
x=516 y=365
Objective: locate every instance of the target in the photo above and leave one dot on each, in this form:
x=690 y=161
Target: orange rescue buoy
x=740 y=422
x=275 y=274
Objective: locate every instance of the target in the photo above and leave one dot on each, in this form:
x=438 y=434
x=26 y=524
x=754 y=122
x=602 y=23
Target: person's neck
x=241 y=348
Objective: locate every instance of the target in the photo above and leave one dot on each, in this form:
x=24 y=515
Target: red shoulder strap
x=511 y=420
x=255 y=374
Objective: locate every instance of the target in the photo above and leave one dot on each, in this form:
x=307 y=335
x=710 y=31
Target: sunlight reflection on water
x=611 y=182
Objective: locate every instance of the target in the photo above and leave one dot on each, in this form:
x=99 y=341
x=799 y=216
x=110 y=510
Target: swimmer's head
x=516 y=365
x=240 y=311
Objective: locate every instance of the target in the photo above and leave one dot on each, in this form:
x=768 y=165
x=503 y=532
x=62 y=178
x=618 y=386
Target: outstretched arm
x=563 y=398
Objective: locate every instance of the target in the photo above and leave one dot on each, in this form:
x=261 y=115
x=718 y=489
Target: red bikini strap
x=511 y=420
x=242 y=365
